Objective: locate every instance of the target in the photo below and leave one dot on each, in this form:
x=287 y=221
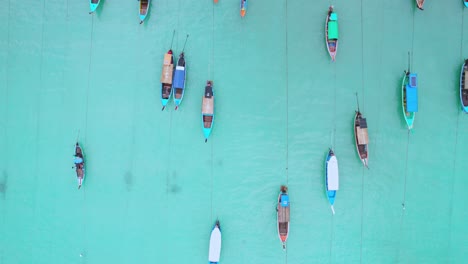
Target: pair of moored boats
x=173 y=81
x=144 y=8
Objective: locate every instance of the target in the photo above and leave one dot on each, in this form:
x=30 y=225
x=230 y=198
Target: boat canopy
x=413 y=80
x=362 y=122
x=168 y=69
x=362 y=136
x=332 y=174
x=411 y=99
x=208 y=101
x=215 y=245
x=284 y=200
x=179 y=77
x=332 y=29
x=208 y=92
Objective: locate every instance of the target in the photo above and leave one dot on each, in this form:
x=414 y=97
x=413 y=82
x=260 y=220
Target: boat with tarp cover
x=282 y=212
x=464 y=86
x=179 y=80
x=420 y=4
x=166 y=78
x=144 y=8
x=93 y=5
x=331 y=178
x=208 y=110
x=409 y=97
x=79 y=164
x=243 y=7
x=361 y=137
x=331 y=33
x=214 y=252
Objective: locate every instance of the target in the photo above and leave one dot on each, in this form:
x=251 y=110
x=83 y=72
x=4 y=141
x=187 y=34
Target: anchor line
x=287 y=95
x=406 y=169
x=211 y=74
x=89 y=76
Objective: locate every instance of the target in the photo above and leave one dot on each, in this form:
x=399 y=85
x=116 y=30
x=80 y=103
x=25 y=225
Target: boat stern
x=465 y=108
x=206 y=133
x=93 y=7
x=142 y=18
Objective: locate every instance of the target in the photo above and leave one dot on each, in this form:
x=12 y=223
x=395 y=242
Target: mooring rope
x=362 y=88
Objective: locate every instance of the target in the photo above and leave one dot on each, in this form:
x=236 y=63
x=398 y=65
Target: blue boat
x=179 y=81
x=331 y=178
x=214 y=252
x=167 y=75
x=208 y=110
x=144 y=8
x=409 y=97
x=464 y=86
x=79 y=164
x=93 y=5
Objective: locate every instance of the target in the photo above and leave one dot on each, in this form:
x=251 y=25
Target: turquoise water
x=154 y=188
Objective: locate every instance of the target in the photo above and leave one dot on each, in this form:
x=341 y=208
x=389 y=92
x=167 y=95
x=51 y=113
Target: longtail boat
x=144 y=8
x=79 y=164
x=331 y=178
x=409 y=97
x=166 y=78
x=282 y=212
x=214 y=252
x=331 y=33
x=179 y=81
x=208 y=110
x=243 y=7
x=420 y=4
x=464 y=86
x=361 y=137
x=93 y=5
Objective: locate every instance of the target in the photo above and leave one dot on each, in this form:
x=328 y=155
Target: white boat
x=215 y=244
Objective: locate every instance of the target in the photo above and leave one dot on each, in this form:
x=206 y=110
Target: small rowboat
x=144 y=7
x=215 y=244
x=361 y=137
x=465 y=2
x=331 y=33
x=208 y=110
x=93 y=5
x=282 y=211
x=179 y=81
x=464 y=86
x=243 y=7
x=409 y=97
x=420 y=4
x=79 y=164
x=166 y=78
x=331 y=178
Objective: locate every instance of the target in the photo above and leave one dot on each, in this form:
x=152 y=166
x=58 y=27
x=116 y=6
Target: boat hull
x=143 y=11
x=283 y=228
x=465 y=3
x=363 y=151
x=332 y=45
x=93 y=6
x=179 y=82
x=463 y=91
x=214 y=252
x=420 y=4
x=408 y=116
x=207 y=112
x=331 y=177
x=80 y=177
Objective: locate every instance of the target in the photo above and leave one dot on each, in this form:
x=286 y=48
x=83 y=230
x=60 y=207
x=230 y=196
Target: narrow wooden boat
x=464 y=86
x=331 y=33
x=282 y=211
x=79 y=164
x=167 y=75
x=215 y=244
x=208 y=110
x=243 y=7
x=420 y=4
x=409 y=98
x=93 y=5
x=179 y=81
x=361 y=137
x=331 y=178
x=144 y=8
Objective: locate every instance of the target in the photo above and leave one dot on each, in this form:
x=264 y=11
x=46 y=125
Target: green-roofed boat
x=331 y=33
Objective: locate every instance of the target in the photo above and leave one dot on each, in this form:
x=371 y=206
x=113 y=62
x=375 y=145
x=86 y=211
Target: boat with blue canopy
x=214 y=252
x=93 y=5
x=464 y=86
x=409 y=96
x=79 y=164
x=331 y=178
x=167 y=77
x=208 y=110
x=179 y=81
x=282 y=212
x=331 y=33
x=144 y=8
x=243 y=7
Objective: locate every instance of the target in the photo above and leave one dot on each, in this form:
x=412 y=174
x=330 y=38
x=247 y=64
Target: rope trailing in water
x=362 y=174
x=287 y=95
